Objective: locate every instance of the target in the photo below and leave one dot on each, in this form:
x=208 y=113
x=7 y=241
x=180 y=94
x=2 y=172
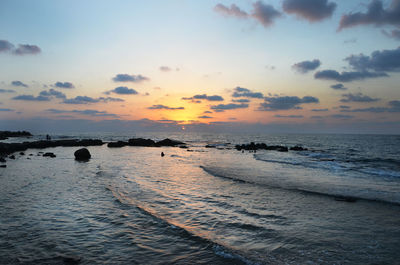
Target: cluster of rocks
x=146 y=143
x=5 y=134
x=262 y=146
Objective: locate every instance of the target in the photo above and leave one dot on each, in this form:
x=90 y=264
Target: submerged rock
x=12 y=157
x=345 y=199
x=3 y=166
x=2 y=160
x=298 y=148
x=82 y=154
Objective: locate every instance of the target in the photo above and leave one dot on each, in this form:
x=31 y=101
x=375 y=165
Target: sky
x=315 y=66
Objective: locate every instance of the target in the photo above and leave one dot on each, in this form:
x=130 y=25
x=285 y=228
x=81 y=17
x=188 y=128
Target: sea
x=201 y=205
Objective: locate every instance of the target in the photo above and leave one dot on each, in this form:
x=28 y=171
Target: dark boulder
x=210 y=146
x=82 y=154
x=117 y=144
x=169 y=142
x=2 y=160
x=22 y=153
x=49 y=154
x=3 y=166
x=12 y=157
x=141 y=142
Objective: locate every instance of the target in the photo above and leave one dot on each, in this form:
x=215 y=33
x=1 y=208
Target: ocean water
x=205 y=205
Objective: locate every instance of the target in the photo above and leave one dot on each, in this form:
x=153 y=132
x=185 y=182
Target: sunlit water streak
x=210 y=206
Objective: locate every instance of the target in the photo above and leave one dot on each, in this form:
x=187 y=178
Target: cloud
x=265 y=14
x=157 y=107
x=347 y=76
x=196 y=98
x=123 y=90
x=18 y=83
x=5 y=46
x=319 y=110
x=31 y=98
x=375 y=15
x=379 y=61
x=88 y=100
x=289 y=116
x=67 y=85
x=110 y=99
x=52 y=92
x=394 y=34
x=6 y=90
x=129 y=78
x=359 y=97
x=339 y=87
x=223 y=107
x=306 y=66
x=344 y=107
x=24 y=49
x=285 y=103
x=246 y=93
x=88 y=112
x=5 y=109
x=393 y=106
x=205 y=117
x=242 y=100
x=311 y=10
x=207 y=112
x=316 y=117
x=165 y=69
x=233 y=10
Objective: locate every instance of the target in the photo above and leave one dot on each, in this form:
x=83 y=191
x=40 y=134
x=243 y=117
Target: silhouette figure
x=162 y=154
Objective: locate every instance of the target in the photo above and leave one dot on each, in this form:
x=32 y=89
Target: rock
x=2 y=160
x=210 y=146
x=82 y=154
x=49 y=154
x=298 y=148
x=162 y=154
x=22 y=153
x=183 y=147
x=169 y=142
x=117 y=144
x=3 y=166
x=141 y=142
x=12 y=157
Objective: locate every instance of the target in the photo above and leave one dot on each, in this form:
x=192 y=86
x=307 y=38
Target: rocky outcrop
x=261 y=146
x=9 y=148
x=82 y=154
x=146 y=143
x=169 y=142
x=5 y=134
x=141 y=142
x=117 y=144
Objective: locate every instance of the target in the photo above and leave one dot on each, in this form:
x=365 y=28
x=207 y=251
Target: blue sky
x=189 y=48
